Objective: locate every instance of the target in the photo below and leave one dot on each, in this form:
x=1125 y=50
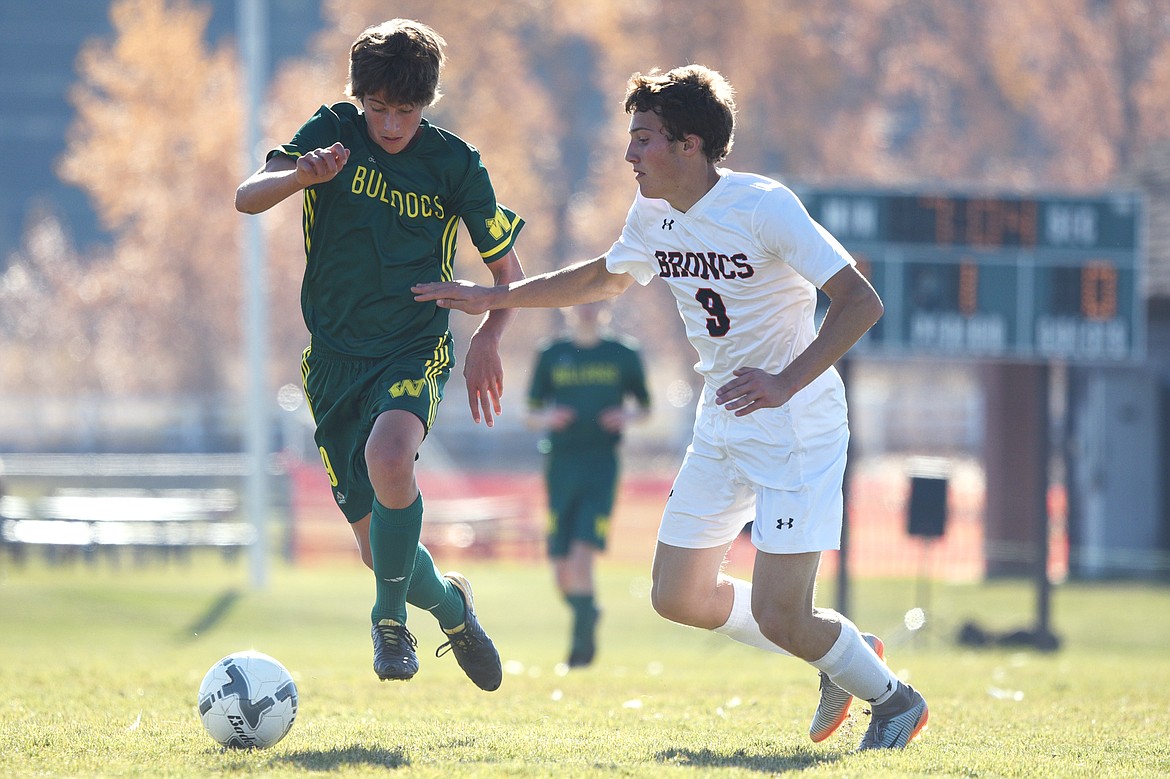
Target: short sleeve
x=784 y=228
x=493 y=227
x=629 y=253
x=321 y=131
x=494 y=235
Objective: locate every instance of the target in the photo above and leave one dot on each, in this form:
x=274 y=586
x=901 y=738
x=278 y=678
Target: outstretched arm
x=483 y=370
x=584 y=282
x=854 y=307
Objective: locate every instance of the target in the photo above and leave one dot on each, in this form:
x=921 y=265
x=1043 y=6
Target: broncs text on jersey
x=703 y=265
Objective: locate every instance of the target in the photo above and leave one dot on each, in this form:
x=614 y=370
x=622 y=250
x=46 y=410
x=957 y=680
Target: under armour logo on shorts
x=784 y=524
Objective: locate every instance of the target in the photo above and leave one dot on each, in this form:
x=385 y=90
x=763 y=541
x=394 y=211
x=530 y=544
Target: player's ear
x=692 y=144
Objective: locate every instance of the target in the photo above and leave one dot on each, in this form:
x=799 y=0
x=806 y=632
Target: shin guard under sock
x=394 y=535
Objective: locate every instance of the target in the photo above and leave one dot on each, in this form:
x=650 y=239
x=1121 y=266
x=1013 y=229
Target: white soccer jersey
x=743 y=264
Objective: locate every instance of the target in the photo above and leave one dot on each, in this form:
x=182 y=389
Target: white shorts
x=779 y=468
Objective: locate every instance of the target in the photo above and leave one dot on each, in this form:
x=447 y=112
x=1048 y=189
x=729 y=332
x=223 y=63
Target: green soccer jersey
x=587 y=380
x=385 y=223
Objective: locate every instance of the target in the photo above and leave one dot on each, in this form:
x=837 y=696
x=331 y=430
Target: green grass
x=99 y=670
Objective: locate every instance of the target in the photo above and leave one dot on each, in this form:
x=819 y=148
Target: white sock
x=855 y=667
x=741 y=624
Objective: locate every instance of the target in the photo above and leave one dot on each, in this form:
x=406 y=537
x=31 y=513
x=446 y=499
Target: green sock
x=430 y=591
x=394 y=535
x=584 y=617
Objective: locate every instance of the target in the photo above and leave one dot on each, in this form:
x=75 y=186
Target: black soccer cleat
x=584 y=650
x=394 y=655
x=474 y=651
x=895 y=729
x=582 y=656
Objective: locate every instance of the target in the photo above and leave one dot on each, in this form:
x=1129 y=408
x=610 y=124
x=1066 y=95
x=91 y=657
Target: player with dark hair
x=744 y=260
x=383 y=193
x=586 y=388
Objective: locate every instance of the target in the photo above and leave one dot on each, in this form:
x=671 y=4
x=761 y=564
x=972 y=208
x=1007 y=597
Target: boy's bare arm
x=282 y=176
x=584 y=282
x=483 y=370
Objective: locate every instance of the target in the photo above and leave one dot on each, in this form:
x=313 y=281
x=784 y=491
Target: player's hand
x=484 y=373
x=557 y=418
x=751 y=390
x=321 y=165
x=459 y=295
x=613 y=419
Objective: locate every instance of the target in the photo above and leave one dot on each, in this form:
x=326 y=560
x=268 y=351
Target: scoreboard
x=1012 y=278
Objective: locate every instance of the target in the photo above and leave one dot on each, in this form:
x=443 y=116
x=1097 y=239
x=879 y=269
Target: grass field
x=99 y=670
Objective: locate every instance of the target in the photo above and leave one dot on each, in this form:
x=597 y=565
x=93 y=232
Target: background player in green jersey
x=579 y=392
x=383 y=194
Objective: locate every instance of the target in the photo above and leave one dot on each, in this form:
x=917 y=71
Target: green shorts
x=581 y=487
x=346 y=394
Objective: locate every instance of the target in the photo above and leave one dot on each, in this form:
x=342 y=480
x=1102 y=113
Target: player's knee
x=388 y=465
x=663 y=606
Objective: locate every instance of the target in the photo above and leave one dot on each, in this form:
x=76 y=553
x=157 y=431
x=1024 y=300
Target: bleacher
x=149 y=523
x=155 y=507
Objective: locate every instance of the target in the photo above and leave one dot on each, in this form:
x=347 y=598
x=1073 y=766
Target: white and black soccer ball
x=248 y=700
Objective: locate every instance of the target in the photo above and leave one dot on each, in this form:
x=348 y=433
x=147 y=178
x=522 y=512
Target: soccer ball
x=248 y=700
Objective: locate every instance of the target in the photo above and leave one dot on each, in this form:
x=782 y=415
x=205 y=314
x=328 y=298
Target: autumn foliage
x=986 y=94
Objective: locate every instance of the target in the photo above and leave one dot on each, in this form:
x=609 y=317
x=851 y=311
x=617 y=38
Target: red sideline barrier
x=502 y=515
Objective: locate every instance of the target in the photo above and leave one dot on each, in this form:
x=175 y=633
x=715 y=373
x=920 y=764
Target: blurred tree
x=990 y=94
x=45 y=341
x=155 y=145
x=995 y=94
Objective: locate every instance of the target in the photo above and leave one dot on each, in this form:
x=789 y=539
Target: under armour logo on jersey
x=395 y=580
x=340 y=496
x=667 y=224
x=784 y=524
